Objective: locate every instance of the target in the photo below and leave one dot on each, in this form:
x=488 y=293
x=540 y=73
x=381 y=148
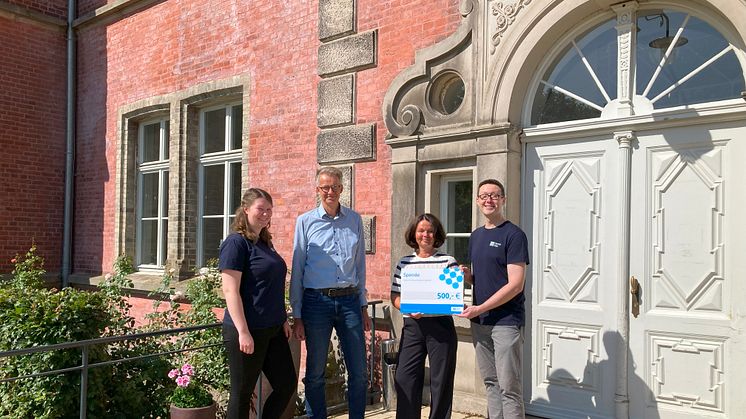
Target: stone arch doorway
x=603 y=171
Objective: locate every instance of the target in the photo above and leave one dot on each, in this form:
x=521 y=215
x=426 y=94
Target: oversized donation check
x=432 y=290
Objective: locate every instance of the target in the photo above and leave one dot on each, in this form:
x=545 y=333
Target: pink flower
x=13 y=260
x=183 y=381
x=173 y=373
x=187 y=369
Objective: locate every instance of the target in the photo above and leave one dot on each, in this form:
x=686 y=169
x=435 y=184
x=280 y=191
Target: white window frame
x=160 y=166
x=224 y=158
x=436 y=192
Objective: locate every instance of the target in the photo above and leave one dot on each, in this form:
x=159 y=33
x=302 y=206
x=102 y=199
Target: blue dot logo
x=452 y=277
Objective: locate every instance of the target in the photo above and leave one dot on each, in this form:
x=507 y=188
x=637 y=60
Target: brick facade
x=169 y=47
x=32 y=135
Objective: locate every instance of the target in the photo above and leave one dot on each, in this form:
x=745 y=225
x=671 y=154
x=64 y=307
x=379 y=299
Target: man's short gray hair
x=329 y=171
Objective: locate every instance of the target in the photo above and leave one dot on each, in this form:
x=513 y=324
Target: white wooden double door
x=687 y=227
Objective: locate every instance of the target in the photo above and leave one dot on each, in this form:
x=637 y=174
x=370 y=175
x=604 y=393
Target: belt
x=337 y=292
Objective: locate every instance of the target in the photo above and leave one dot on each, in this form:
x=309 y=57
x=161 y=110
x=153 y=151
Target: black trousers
x=271 y=356
x=434 y=337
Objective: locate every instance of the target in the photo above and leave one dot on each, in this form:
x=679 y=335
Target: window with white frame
x=219 y=176
x=456 y=209
x=680 y=60
x=152 y=197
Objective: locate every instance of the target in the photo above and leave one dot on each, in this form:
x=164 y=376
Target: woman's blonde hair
x=241 y=222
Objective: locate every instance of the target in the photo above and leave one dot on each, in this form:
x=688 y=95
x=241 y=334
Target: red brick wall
x=175 y=45
x=87 y=6
x=32 y=135
x=55 y=8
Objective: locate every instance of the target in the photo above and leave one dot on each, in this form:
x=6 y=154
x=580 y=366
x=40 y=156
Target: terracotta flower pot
x=207 y=412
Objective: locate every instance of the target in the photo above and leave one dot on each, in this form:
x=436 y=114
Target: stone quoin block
x=354 y=143
x=336 y=101
x=347 y=54
x=336 y=18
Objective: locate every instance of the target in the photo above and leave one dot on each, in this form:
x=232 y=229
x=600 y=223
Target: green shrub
x=31 y=315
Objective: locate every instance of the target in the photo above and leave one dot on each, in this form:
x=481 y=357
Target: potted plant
x=190 y=399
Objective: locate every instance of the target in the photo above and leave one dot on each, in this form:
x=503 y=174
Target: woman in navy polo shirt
x=255 y=327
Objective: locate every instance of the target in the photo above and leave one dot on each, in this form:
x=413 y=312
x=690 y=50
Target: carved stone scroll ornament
x=404 y=105
x=505 y=13
x=411 y=118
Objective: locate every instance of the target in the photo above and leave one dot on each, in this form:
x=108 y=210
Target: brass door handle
x=634 y=289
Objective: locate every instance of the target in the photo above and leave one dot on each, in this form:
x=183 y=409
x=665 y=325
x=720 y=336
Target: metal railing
x=85 y=345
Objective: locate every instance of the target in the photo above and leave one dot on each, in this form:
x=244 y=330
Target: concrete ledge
x=347 y=54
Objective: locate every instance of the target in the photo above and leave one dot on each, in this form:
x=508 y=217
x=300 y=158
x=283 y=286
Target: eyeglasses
x=486 y=196
x=329 y=188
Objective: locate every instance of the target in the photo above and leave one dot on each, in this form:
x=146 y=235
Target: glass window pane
x=236 y=127
x=164 y=240
x=166 y=139
x=569 y=73
x=214 y=131
x=164 y=195
x=212 y=236
x=235 y=193
x=458 y=247
x=722 y=79
x=600 y=49
x=459 y=207
x=149 y=194
x=213 y=187
x=552 y=106
x=148 y=242
x=151 y=143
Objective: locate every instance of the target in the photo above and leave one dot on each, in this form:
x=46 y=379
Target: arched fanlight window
x=680 y=60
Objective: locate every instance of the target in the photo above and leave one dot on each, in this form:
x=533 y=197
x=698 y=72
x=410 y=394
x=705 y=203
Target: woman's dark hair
x=241 y=222
x=439 y=236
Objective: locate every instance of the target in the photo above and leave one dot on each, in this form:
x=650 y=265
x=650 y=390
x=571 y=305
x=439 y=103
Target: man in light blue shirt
x=327 y=290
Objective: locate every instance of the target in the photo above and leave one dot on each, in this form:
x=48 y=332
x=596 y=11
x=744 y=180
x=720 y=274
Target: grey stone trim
x=336 y=101
x=125 y=218
x=351 y=53
x=183 y=109
x=403 y=207
x=346 y=144
x=112 y=12
x=369 y=228
x=337 y=18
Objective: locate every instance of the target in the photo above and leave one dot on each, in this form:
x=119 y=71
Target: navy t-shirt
x=490 y=251
x=262 y=287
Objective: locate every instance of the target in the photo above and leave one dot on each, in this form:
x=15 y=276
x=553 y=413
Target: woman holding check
x=433 y=336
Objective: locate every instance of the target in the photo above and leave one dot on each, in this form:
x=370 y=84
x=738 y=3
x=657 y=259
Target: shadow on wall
x=585 y=403
x=93 y=209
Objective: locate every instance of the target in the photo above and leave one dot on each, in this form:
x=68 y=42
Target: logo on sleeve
x=495 y=244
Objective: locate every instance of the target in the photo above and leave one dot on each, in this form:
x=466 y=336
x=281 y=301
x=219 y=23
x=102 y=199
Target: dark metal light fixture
x=664 y=42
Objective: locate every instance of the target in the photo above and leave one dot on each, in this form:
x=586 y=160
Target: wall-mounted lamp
x=664 y=42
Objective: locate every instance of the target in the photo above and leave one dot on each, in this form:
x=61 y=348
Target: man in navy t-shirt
x=499 y=255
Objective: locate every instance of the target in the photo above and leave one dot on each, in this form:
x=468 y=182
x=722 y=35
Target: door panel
x=686 y=346
x=569 y=203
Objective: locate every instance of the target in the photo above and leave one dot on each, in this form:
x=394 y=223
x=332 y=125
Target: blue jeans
x=320 y=313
